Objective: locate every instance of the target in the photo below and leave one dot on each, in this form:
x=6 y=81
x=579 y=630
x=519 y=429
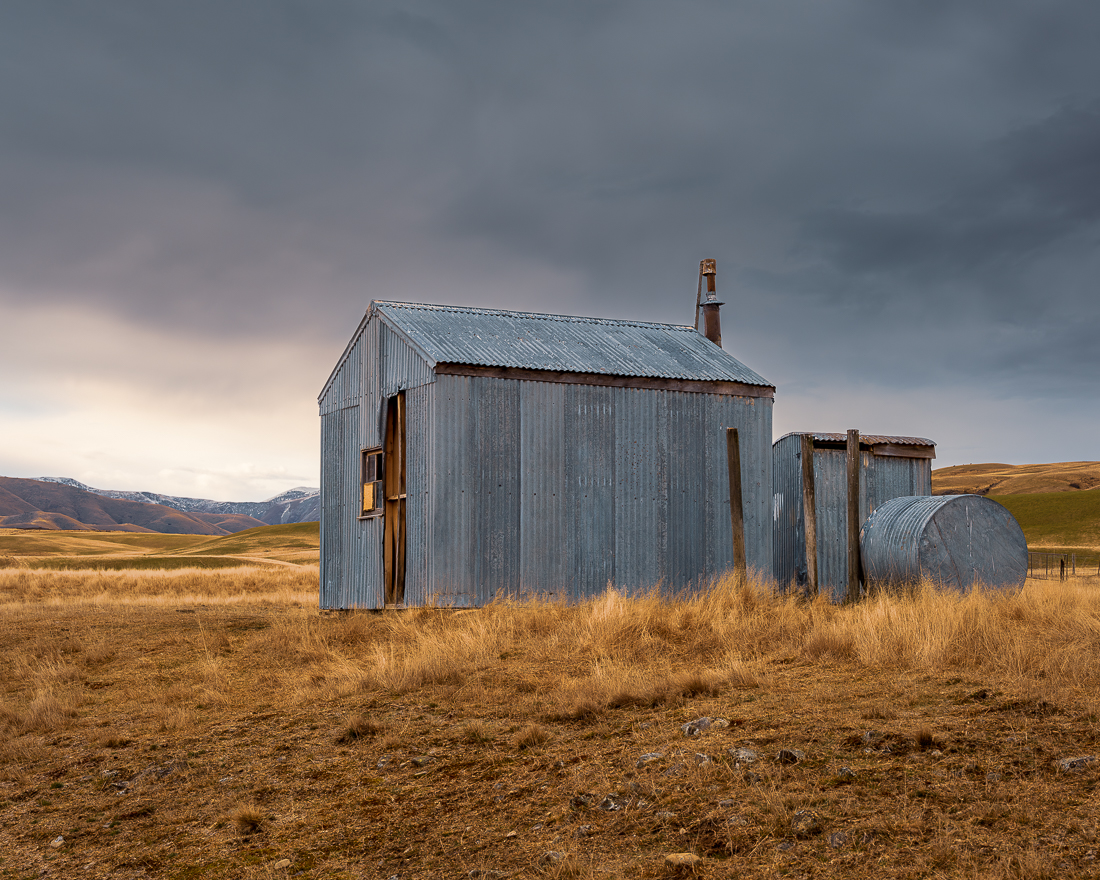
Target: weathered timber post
x=737 y=510
x=809 y=513
x=853 y=516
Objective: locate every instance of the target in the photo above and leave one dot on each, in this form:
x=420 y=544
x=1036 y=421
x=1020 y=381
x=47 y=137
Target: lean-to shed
x=889 y=467
x=469 y=453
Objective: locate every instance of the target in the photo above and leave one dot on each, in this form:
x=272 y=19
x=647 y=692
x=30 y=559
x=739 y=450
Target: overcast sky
x=200 y=199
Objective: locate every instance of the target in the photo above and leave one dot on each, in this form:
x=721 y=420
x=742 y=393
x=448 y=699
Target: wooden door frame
x=394 y=491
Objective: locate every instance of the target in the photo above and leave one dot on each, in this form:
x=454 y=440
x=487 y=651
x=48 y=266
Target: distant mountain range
x=65 y=503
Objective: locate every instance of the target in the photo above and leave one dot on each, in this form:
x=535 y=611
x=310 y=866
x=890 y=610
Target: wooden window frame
x=371 y=476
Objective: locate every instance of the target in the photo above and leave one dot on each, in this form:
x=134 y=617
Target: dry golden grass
x=23 y=588
x=213 y=723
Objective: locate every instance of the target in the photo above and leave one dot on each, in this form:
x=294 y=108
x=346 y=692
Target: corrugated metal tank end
x=955 y=541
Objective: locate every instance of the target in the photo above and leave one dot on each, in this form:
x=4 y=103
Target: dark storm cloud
x=911 y=183
x=1032 y=190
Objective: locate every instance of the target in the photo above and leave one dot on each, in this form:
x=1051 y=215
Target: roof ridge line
x=541 y=315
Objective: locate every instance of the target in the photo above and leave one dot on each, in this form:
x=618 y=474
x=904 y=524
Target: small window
x=372 y=483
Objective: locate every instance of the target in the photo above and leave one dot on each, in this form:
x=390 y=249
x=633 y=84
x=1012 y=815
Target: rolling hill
x=37 y=504
x=294 y=545
x=1024 y=479
x=1057 y=505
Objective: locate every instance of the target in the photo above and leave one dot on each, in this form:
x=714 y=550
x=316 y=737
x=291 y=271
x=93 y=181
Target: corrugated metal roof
x=863 y=438
x=496 y=338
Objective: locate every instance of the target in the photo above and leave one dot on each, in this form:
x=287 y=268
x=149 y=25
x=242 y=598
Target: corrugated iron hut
x=888 y=467
x=469 y=453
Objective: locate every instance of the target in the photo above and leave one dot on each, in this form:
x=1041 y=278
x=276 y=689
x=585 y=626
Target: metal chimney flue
x=712 y=323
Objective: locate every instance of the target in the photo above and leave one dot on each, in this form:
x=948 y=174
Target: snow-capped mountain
x=300 y=504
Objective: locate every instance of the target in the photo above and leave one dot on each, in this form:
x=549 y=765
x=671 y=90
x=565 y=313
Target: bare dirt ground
x=156 y=730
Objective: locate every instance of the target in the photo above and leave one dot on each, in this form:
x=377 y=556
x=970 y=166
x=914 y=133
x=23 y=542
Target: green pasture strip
x=1058 y=519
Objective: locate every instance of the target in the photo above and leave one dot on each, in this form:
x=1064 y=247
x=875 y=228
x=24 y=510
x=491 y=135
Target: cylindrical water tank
x=954 y=540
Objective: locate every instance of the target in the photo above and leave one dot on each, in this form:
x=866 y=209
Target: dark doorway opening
x=393 y=548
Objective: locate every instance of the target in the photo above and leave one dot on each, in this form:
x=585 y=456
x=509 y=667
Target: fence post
x=737 y=511
x=853 y=515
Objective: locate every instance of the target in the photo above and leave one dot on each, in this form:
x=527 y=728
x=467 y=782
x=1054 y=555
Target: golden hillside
x=1024 y=479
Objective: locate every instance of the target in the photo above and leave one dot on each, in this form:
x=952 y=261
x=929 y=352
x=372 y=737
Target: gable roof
x=562 y=343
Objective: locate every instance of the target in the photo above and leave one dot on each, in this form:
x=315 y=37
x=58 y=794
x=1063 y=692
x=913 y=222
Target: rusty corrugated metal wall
x=881 y=478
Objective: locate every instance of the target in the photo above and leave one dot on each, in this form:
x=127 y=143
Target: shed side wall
x=562 y=489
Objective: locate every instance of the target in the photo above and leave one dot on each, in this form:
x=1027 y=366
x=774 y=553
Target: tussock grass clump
x=531 y=736
x=247 y=820
x=49 y=711
x=359 y=727
x=925 y=738
x=477 y=732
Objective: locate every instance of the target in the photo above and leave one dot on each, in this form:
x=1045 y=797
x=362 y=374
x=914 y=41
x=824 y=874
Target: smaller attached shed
x=470 y=453
x=889 y=467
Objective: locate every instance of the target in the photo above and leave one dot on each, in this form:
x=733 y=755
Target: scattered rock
x=383 y=763
x=805 y=823
x=702 y=760
x=726 y=804
x=666 y=816
x=838 y=839
x=1075 y=765
x=753 y=778
x=790 y=756
x=675 y=770
x=552 y=858
x=682 y=861
x=583 y=831
x=610 y=804
x=57 y=842
x=871 y=737
x=281 y=864
x=696 y=727
x=580 y=802
x=648 y=758
x=719 y=724
x=845 y=774
x=422 y=761
x=743 y=757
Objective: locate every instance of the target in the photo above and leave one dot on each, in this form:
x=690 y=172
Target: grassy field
x=1058 y=520
x=295 y=544
x=186 y=724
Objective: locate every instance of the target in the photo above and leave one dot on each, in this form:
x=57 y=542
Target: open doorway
x=393 y=547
